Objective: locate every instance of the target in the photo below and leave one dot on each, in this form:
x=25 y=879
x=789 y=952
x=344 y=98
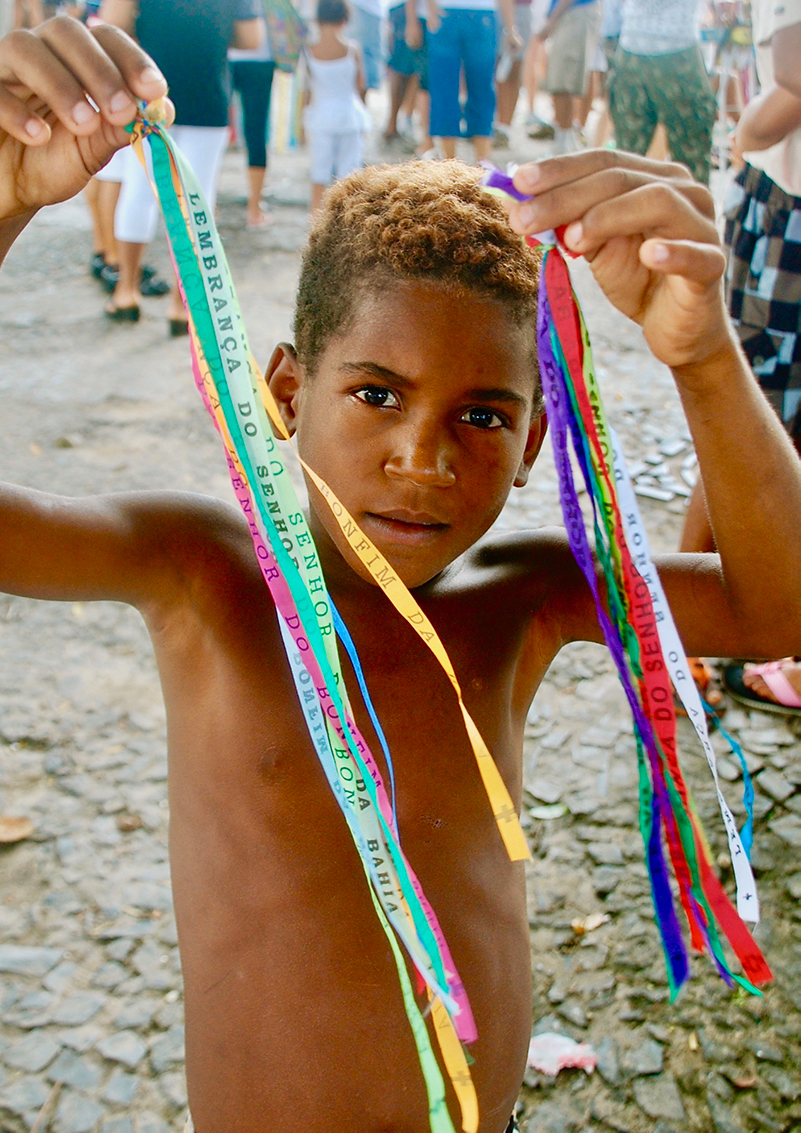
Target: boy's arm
x=648 y=231
x=136 y=547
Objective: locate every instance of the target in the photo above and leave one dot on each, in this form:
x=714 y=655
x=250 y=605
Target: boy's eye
x=482 y=418
x=380 y=396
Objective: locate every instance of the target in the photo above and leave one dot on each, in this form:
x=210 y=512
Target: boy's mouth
x=410 y=527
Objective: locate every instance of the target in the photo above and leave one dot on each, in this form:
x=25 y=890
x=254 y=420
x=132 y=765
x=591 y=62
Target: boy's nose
x=423 y=457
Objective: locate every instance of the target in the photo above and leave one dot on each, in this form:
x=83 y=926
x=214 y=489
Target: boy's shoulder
x=532 y=573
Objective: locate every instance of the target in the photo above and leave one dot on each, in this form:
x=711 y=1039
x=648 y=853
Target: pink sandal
x=787 y=702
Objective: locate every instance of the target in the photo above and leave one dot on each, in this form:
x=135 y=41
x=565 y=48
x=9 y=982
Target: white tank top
x=335 y=104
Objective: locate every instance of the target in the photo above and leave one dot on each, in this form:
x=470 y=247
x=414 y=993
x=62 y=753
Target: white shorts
x=136 y=216
x=334 y=156
x=117 y=168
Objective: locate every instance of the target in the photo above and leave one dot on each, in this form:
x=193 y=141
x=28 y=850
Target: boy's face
x=419 y=418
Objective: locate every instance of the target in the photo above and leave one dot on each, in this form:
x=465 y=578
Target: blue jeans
x=464 y=38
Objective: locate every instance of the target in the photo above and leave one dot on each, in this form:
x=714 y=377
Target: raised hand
x=52 y=138
x=648 y=231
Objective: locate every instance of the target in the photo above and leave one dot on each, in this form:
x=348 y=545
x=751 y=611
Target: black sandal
x=122 y=314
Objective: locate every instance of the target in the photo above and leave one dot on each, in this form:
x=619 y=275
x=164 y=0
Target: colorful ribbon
x=642 y=638
x=246 y=416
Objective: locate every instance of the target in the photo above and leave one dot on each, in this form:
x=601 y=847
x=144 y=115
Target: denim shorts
x=465 y=38
x=402 y=59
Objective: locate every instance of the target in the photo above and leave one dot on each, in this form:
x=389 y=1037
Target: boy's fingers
x=18 y=121
x=540 y=176
x=27 y=62
x=95 y=71
x=654 y=209
x=140 y=73
x=702 y=263
x=572 y=201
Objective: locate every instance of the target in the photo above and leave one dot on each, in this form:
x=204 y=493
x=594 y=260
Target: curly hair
x=428 y=221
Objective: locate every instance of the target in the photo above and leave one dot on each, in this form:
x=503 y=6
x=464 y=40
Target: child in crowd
x=336 y=118
x=412 y=389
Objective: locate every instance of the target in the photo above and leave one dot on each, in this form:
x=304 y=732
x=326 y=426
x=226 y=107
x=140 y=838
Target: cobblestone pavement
x=91 y=1031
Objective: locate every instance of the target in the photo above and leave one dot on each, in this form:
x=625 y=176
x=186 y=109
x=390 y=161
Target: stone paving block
x=173 y=1086
x=60 y=978
x=24 y=1095
x=148 y=1122
x=28 y=961
x=125 y=1047
x=75 y=1070
x=167 y=1049
x=773 y=783
x=646 y=1057
x=659 y=1097
x=117 y=1125
x=110 y=975
x=78 y=1008
x=32 y=1053
x=76 y=1113
x=788 y=827
x=80 y=1038
x=121 y=1088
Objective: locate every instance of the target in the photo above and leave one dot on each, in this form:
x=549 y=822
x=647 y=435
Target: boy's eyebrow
x=481 y=393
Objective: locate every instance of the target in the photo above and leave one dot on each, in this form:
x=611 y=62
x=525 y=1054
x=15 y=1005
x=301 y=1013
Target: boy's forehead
x=420 y=329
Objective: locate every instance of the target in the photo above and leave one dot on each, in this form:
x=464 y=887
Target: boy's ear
x=536 y=435
x=284 y=376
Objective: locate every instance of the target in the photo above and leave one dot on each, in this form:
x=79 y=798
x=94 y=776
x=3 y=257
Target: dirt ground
x=91 y=1031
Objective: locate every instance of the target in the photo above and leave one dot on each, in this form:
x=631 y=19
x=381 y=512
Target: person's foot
x=537 y=128
x=500 y=136
x=97 y=263
x=771 y=686
x=398 y=142
x=754 y=678
x=118 y=314
x=258 y=219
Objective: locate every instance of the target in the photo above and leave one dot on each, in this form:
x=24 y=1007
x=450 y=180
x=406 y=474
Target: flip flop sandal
x=96 y=264
x=789 y=702
x=152 y=286
x=178 y=327
x=122 y=314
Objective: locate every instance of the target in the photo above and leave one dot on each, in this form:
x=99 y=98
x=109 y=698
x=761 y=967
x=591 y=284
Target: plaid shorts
x=763 y=286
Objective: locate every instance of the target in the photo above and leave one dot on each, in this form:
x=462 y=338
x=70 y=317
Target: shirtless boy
x=413 y=394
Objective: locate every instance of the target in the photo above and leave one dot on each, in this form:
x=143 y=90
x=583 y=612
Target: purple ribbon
x=562 y=422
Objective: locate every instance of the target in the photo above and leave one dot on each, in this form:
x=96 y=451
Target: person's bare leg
x=563 y=110
x=317 y=196
x=423 y=104
x=177 y=312
x=257 y=217
x=397 y=92
x=533 y=69
x=91 y=194
x=583 y=105
x=482 y=148
x=412 y=87
x=506 y=94
x=107 y=197
x=448 y=146
x=126 y=293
